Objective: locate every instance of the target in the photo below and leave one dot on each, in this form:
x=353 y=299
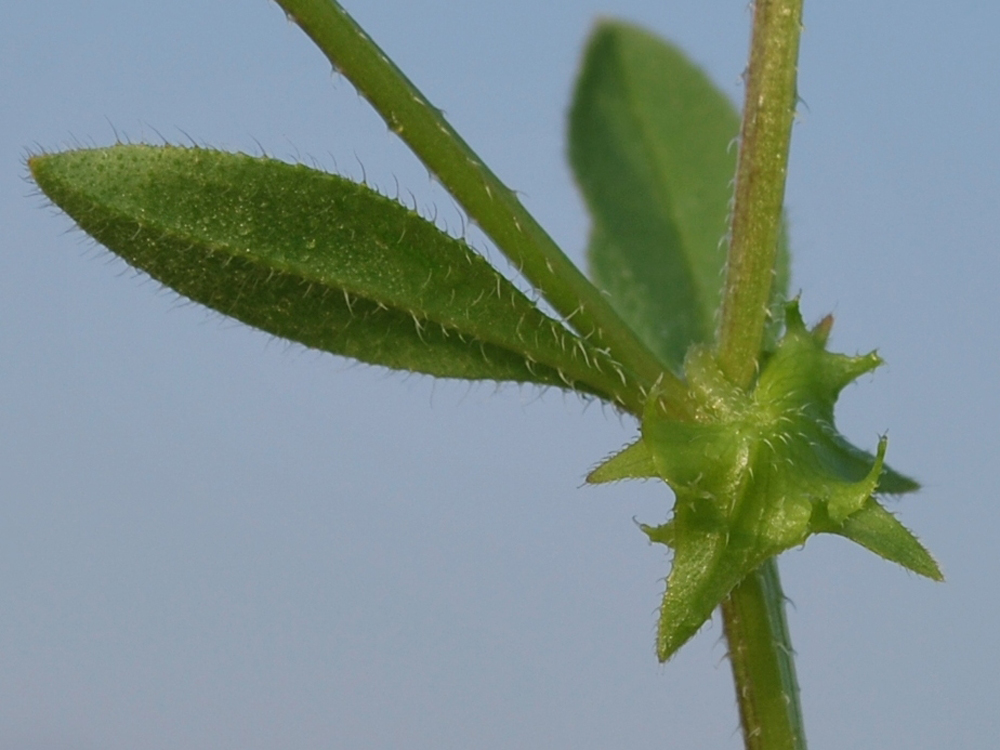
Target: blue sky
x=211 y=539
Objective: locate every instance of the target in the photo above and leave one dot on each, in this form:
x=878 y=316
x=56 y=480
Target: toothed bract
x=756 y=473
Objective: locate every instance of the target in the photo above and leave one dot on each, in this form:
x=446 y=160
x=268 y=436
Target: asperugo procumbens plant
x=733 y=393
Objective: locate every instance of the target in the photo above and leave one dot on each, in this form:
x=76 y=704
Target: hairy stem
x=763 y=664
x=760 y=184
x=753 y=616
x=484 y=197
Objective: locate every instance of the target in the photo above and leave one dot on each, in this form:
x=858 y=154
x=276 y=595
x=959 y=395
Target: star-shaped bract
x=755 y=473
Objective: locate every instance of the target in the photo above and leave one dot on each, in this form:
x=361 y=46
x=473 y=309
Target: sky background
x=212 y=539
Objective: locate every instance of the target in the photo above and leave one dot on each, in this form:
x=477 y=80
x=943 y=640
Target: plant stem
x=760 y=184
x=763 y=664
x=753 y=616
x=483 y=196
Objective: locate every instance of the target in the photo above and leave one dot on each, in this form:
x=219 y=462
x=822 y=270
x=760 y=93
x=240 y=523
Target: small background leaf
x=317 y=259
x=652 y=145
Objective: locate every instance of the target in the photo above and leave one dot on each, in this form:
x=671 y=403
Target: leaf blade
x=650 y=141
x=652 y=145
x=317 y=259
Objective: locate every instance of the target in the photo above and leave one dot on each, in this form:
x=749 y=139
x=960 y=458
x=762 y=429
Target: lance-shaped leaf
x=757 y=473
x=652 y=144
x=317 y=259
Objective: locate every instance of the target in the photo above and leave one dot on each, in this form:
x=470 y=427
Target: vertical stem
x=753 y=615
x=760 y=184
x=767 y=691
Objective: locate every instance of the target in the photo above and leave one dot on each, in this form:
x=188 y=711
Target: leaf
x=652 y=144
x=317 y=259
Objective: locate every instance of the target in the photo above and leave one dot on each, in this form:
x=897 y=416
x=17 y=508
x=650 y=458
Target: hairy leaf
x=317 y=259
x=652 y=143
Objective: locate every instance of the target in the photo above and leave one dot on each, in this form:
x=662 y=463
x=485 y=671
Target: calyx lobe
x=755 y=473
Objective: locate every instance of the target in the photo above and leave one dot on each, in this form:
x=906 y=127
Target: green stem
x=753 y=615
x=763 y=663
x=760 y=184
x=483 y=196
